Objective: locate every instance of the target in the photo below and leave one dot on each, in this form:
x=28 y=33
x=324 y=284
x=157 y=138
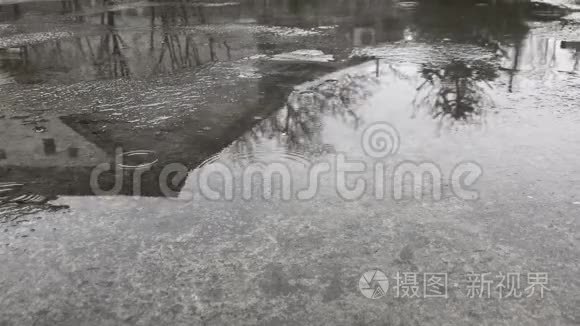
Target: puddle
x=99 y=101
x=185 y=84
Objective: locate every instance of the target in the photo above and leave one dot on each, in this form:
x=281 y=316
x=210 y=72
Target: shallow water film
x=289 y=162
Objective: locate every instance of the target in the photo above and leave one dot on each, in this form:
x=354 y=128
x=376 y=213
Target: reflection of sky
x=541 y=140
x=541 y=68
x=393 y=99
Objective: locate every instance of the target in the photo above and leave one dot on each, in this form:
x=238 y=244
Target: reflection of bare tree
x=111 y=60
x=16 y=11
x=457 y=89
x=178 y=47
x=495 y=26
x=166 y=47
x=297 y=126
x=69 y=6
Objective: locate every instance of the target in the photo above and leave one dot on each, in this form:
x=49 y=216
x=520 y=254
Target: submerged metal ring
x=147 y=154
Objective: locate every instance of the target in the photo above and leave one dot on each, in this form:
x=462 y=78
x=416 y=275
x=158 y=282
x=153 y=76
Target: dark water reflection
x=187 y=80
x=134 y=42
x=103 y=40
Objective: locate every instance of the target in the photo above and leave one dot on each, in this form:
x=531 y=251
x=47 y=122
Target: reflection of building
x=47 y=156
x=58 y=156
x=49 y=144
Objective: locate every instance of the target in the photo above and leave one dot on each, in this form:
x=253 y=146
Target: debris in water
x=39 y=129
x=304 y=55
x=137 y=159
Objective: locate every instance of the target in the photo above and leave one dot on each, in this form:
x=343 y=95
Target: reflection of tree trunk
x=179 y=50
x=59 y=51
x=25 y=55
x=187 y=55
x=171 y=42
x=518 y=48
x=196 y=56
x=201 y=14
x=90 y=48
x=289 y=115
x=80 y=47
x=228 y=50
x=554 y=58
x=160 y=58
x=458 y=95
x=111 y=18
x=104 y=45
x=152 y=38
x=212 y=49
x=16 y=9
x=118 y=59
x=171 y=49
x=184 y=12
x=546 y=51
x=116 y=62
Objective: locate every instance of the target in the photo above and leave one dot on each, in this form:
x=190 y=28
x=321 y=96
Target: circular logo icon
x=374 y=284
x=381 y=140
